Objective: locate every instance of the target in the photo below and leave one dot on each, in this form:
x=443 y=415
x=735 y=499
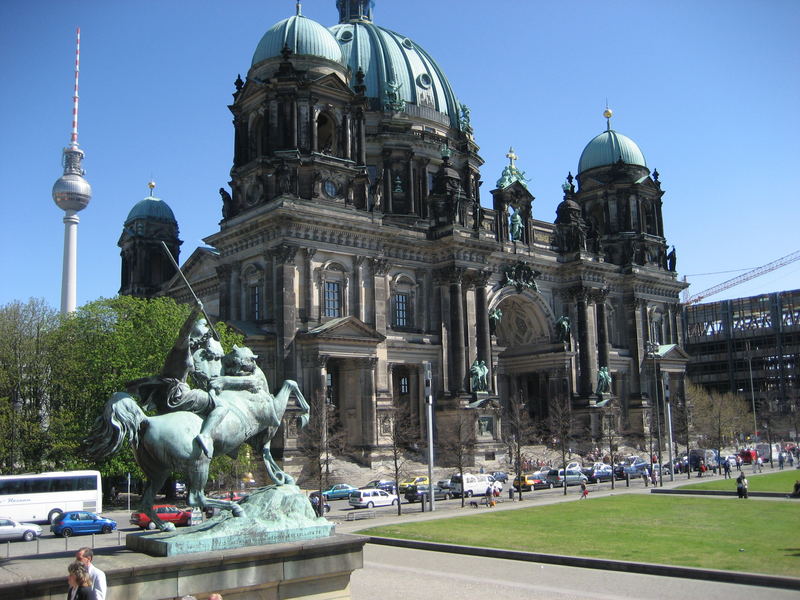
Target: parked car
x=14 y=530
x=445 y=484
x=419 y=480
x=598 y=473
x=180 y=487
x=340 y=491
x=415 y=493
x=370 y=498
x=165 y=512
x=572 y=477
x=386 y=485
x=500 y=476
x=81 y=522
x=531 y=482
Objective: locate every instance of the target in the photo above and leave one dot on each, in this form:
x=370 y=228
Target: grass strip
x=779 y=481
x=715 y=533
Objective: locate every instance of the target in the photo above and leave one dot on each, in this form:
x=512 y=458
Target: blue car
x=81 y=522
x=340 y=491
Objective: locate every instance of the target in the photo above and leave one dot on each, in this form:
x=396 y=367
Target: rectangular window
x=401 y=310
x=404 y=385
x=255 y=302
x=333 y=299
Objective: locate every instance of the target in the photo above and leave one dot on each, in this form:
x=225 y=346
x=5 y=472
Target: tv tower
x=71 y=192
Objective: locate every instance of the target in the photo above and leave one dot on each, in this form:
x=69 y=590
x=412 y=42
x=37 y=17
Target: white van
x=473 y=485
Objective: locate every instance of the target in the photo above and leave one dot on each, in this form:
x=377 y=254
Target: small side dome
x=153 y=209
x=608 y=148
x=303 y=36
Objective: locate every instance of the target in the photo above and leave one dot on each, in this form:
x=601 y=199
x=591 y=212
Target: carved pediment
x=333 y=82
x=344 y=329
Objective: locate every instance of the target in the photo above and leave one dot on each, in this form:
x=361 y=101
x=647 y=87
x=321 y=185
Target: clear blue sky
x=709 y=90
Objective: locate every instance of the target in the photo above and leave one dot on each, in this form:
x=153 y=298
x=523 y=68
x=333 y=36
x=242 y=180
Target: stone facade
x=355 y=247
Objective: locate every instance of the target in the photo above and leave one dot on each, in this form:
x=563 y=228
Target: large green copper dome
x=391 y=61
x=152 y=209
x=608 y=148
x=303 y=36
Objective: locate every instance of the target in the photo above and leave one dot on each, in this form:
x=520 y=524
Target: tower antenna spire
x=72 y=193
x=74 y=138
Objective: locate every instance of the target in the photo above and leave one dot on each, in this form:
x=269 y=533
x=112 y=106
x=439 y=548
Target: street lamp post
x=652 y=348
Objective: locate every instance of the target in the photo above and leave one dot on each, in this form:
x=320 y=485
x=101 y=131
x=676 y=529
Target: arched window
x=332 y=281
x=253 y=292
x=403 y=300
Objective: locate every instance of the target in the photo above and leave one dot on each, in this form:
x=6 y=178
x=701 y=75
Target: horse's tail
x=300 y=400
x=121 y=419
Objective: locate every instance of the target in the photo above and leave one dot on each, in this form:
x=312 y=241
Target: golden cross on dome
x=511 y=156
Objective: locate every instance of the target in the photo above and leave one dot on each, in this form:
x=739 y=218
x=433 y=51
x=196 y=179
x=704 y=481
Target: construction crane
x=757 y=272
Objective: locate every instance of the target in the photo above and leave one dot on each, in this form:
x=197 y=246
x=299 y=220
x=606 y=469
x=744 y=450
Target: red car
x=165 y=512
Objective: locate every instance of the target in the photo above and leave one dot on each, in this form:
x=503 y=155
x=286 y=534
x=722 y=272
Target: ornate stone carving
x=285 y=254
x=521 y=276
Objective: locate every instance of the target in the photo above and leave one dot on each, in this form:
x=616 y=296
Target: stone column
x=294 y=122
x=347 y=135
x=424 y=209
x=236 y=291
x=362 y=138
x=224 y=278
x=314 y=133
x=380 y=268
x=584 y=357
x=358 y=301
x=484 y=341
x=410 y=183
x=286 y=309
x=387 y=183
x=309 y=283
x=458 y=366
x=369 y=430
x=602 y=328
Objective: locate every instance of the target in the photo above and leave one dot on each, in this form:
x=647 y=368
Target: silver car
x=13 y=530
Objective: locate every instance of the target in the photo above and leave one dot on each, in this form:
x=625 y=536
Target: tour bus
x=43 y=496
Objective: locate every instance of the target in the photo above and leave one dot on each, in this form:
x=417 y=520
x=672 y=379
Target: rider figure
x=198 y=353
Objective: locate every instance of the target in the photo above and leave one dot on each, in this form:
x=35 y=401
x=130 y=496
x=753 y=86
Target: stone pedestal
x=318 y=568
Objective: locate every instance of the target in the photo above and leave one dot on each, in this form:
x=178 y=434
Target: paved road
x=399 y=574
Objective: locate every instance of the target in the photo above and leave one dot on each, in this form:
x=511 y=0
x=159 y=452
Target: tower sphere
x=71 y=192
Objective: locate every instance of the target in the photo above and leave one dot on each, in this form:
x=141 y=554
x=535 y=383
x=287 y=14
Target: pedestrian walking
x=584 y=490
x=741 y=486
x=738 y=463
x=760 y=463
x=781 y=460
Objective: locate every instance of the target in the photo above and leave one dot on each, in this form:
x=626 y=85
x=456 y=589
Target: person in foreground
x=85 y=556
x=80 y=584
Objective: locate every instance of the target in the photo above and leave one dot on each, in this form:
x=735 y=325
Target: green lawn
x=777 y=481
x=718 y=533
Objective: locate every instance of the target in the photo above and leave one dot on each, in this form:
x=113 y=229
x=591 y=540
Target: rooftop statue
x=230 y=405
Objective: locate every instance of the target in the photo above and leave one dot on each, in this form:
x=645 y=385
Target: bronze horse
x=164 y=444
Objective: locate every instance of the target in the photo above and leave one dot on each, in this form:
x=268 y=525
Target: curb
x=757 y=579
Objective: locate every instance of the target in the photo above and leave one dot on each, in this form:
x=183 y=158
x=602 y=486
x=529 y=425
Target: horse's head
x=239 y=361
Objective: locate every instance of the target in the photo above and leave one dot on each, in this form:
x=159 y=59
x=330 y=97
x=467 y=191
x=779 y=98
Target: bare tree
x=561 y=428
x=321 y=441
x=717 y=417
x=610 y=436
x=457 y=442
x=518 y=430
x=402 y=434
